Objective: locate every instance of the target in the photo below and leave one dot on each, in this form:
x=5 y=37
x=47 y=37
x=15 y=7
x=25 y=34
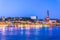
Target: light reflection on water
x=44 y=33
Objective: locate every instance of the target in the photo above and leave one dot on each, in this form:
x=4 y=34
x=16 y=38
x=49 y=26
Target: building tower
x=3 y=18
x=47 y=16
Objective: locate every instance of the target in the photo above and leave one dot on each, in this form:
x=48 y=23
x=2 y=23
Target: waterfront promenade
x=28 y=25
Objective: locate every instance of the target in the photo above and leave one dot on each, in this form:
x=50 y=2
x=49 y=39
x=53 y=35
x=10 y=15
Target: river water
x=44 y=33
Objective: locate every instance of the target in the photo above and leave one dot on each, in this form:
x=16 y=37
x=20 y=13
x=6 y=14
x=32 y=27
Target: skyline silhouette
x=27 y=8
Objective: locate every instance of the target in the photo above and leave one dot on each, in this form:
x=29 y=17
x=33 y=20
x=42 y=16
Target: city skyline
x=27 y=8
x=47 y=15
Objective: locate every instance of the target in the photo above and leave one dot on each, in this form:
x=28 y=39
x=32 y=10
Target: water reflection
x=44 y=33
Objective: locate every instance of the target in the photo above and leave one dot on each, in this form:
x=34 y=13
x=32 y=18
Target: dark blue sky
x=28 y=8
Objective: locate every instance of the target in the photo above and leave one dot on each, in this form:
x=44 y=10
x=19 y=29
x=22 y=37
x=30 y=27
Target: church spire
x=47 y=16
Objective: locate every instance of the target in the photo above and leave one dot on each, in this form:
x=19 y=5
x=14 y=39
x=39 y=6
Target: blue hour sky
x=27 y=8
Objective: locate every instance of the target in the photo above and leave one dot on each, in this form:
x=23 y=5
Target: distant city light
x=33 y=17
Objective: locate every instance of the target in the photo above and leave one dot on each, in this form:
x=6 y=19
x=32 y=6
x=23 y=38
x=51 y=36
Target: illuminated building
x=35 y=18
x=47 y=16
x=3 y=18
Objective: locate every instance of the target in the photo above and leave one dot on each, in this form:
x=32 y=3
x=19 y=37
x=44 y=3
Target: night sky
x=27 y=8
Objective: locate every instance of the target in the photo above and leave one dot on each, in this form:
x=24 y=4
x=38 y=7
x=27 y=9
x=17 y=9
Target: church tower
x=3 y=18
x=47 y=16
